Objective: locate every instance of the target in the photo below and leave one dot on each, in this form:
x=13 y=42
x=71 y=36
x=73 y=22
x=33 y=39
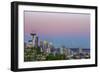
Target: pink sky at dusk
x=57 y=23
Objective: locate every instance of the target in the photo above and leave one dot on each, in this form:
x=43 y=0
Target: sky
x=69 y=29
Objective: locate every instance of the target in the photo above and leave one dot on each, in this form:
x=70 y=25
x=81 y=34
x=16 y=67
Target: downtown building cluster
x=48 y=48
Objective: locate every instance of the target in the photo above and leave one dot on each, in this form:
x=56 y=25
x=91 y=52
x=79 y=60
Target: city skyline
x=44 y=50
x=58 y=28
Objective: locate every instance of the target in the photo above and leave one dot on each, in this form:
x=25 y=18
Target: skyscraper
x=61 y=50
x=36 y=41
x=41 y=45
x=45 y=46
x=33 y=38
x=68 y=53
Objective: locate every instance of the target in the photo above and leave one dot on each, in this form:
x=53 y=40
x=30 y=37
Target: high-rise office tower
x=62 y=49
x=45 y=46
x=68 y=52
x=33 y=38
x=41 y=46
x=36 y=41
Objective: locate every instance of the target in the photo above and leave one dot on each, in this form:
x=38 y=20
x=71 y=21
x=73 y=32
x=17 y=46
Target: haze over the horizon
x=69 y=29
